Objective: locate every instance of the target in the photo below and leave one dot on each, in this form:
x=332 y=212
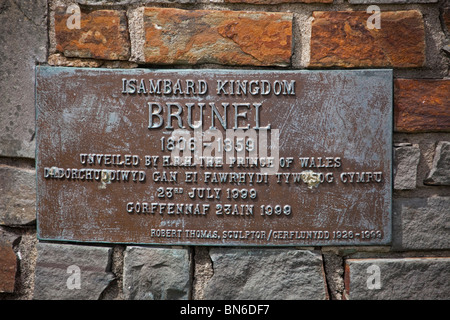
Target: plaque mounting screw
x=106 y=179
x=311 y=178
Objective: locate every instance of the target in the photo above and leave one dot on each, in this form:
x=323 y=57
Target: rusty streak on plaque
x=122 y=156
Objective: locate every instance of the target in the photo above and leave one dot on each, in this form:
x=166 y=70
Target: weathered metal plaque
x=214 y=157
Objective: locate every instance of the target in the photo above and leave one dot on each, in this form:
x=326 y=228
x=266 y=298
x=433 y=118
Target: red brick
x=343 y=39
x=103 y=34
x=422 y=105
x=8 y=268
x=174 y=36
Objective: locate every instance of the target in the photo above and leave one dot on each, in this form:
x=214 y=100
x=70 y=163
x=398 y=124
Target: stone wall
x=413 y=39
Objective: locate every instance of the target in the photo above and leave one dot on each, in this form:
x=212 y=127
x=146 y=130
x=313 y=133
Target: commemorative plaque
x=214 y=157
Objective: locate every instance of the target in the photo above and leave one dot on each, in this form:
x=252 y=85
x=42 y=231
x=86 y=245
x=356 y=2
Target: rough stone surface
x=27 y=254
x=56 y=275
x=406 y=160
x=23 y=42
x=260 y=274
x=334 y=270
x=156 y=274
x=421 y=223
x=440 y=172
x=343 y=39
x=103 y=34
x=398 y=279
x=58 y=60
x=421 y=105
x=203 y=271
x=174 y=36
x=18 y=196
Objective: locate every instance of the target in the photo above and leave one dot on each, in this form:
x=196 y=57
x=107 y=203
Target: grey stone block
x=406 y=160
x=18 y=196
x=156 y=274
x=23 y=42
x=398 y=279
x=71 y=272
x=440 y=172
x=263 y=274
x=421 y=223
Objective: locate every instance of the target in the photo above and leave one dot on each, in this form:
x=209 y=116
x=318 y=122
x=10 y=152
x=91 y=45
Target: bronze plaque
x=214 y=157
